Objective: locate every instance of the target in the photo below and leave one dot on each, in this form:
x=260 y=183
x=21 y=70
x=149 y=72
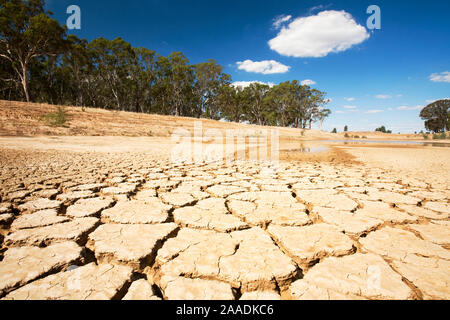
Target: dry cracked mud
x=136 y=226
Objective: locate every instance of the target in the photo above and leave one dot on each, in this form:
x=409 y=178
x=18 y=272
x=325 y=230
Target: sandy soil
x=430 y=164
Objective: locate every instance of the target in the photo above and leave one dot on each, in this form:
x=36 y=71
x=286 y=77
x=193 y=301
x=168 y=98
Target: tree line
x=41 y=63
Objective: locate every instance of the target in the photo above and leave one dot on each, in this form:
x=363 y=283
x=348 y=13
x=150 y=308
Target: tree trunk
x=25 y=82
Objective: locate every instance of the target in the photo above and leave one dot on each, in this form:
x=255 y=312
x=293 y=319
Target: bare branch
x=6 y=57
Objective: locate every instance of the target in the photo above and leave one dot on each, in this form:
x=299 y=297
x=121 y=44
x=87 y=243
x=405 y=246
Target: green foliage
x=27 y=33
x=334 y=130
x=364 y=137
x=383 y=129
x=440 y=136
x=210 y=79
x=55 y=119
x=346 y=135
x=437 y=116
x=114 y=75
x=232 y=103
x=345 y=128
x=356 y=137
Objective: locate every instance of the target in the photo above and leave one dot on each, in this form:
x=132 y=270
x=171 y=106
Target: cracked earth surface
x=135 y=226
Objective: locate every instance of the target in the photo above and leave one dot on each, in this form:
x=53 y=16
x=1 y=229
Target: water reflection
x=418 y=143
x=307 y=149
x=325 y=145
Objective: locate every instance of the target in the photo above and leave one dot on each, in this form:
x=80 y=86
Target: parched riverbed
x=81 y=220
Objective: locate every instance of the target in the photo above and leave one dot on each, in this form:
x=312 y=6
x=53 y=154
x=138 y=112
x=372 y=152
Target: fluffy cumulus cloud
x=440 y=77
x=308 y=82
x=264 y=67
x=245 y=84
x=318 y=35
x=279 y=20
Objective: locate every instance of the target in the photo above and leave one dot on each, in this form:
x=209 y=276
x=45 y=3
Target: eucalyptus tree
x=175 y=85
x=209 y=79
x=232 y=102
x=79 y=65
x=26 y=33
x=143 y=76
x=48 y=81
x=256 y=105
x=9 y=87
x=113 y=60
x=437 y=115
x=279 y=99
x=38 y=60
x=314 y=105
x=298 y=106
x=322 y=115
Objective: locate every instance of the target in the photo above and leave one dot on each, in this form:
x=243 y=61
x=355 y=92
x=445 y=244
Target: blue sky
x=373 y=77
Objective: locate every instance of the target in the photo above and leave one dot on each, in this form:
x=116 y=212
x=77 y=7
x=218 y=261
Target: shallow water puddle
x=308 y=149
x=418 y=143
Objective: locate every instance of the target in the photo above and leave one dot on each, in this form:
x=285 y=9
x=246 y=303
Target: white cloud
x=390 y=109
x=406 y=108
x=308 y=82
x=349 y=107
x=279 y=20
x=383 y=96
x=318 y=35
x=440 y=77
x=350 y=99
x=339 y=112
x=264 y=67
x=374 y=111
x=245 y=84
x=431 y=101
